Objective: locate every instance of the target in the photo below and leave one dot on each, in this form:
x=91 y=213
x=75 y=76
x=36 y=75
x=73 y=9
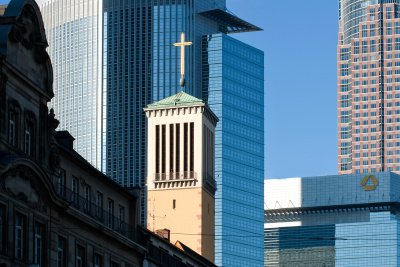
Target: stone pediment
x=23 y=43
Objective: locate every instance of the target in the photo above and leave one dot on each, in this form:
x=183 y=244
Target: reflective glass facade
x=346 y=220
x=233 y=85
x=75 y=44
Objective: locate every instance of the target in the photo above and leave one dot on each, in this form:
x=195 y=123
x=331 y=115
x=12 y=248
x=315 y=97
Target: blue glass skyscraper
x=233 y=85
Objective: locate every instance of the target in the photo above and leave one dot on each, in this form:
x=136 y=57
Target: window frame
x=62 y=262
x=19 y=236
x=39 y=243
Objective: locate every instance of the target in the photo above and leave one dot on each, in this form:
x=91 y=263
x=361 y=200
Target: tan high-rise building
x=180 y=171
x=369 y=86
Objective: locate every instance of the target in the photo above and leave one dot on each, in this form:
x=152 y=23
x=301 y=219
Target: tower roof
x=180 y=99
x=232 y=23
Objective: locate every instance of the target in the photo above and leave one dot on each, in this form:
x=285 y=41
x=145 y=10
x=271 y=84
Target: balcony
x=102 y=216
x=174 y=176
x=174 y=179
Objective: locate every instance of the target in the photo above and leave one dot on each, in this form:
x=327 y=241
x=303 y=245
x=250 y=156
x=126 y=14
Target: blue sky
x=299 y=41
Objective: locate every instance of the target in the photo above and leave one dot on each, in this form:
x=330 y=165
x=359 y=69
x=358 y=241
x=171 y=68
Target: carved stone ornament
x=53 y=124
x=21 y=184
x=25 y=31
x=17 y=33
x=55 y=158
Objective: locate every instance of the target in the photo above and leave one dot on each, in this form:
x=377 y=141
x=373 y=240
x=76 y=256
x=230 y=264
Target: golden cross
x=182 y=44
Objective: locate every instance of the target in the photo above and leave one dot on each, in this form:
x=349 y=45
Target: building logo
x=369 y=187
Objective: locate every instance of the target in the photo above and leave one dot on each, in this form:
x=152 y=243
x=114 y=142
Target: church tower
x=180 y=171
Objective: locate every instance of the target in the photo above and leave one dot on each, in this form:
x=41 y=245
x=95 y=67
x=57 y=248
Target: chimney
x=164 y=233
x=65 y=139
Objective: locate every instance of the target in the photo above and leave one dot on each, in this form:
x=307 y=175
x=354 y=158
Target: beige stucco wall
x=190 y=222
x=208 y=226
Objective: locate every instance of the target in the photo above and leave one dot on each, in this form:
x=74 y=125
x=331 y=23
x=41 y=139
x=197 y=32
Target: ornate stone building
x=55 y=208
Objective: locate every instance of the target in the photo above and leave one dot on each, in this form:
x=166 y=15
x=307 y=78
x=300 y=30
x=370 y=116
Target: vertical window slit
x=171 y=149
x=191 y=146
x=178 y=151
x=164 y=146
x=157 y=149
x=185 y=148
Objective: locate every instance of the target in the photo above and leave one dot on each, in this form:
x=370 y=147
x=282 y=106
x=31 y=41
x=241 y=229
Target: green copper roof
x=179 y=99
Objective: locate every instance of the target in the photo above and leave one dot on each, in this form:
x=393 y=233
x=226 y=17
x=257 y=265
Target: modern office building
x=233 y=78
x=139 y=66
x=336 y=220
x=369 y=86
x=75 y=45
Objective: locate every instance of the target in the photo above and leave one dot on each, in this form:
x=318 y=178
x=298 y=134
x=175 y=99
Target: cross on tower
x=182 y=44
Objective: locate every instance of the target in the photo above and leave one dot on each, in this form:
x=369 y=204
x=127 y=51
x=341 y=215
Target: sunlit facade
x=369 y=86
x=335 y=220
x=233 y=85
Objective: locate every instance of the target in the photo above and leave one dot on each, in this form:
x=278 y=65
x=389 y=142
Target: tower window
x=177 y=144
x=191 y=146
x=185 y=148
x=174 y=204
x=171 y=150
x=164 y=149
x=157 y=149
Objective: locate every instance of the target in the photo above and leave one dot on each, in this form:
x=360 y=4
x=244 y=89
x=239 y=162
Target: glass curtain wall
x=75 y=44
x=233 y=85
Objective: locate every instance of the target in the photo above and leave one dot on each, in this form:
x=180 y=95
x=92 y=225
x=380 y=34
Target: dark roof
x=73 y=155
x=194 y=254
x=232 y=23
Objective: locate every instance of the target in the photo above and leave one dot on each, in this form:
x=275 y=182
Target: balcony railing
x=102 y=216
x=175 y=176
